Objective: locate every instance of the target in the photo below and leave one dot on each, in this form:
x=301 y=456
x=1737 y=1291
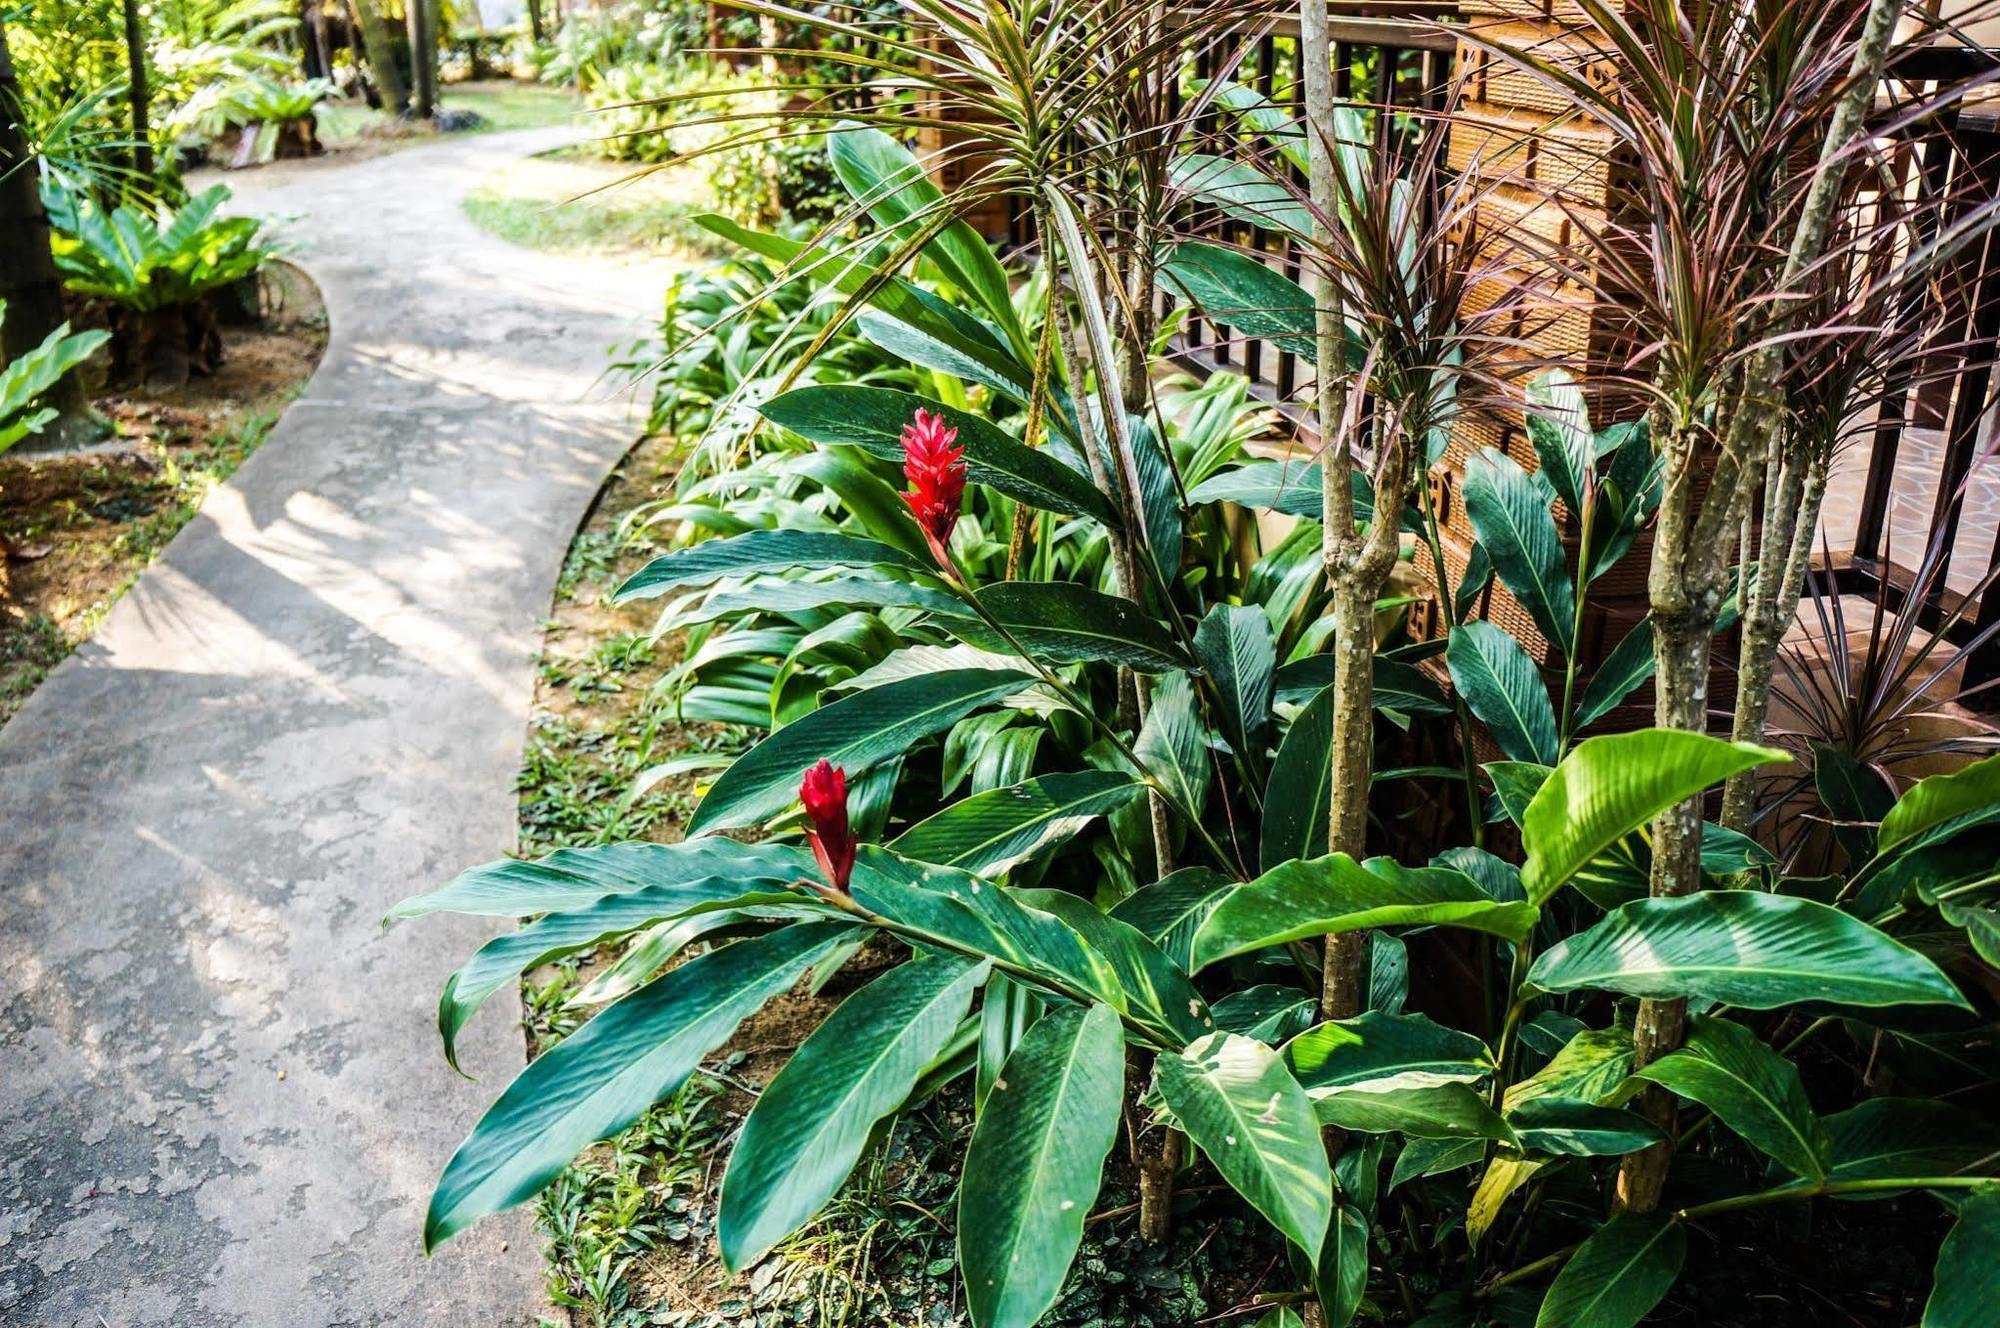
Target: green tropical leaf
x=955 y=911
x=1173 y=744
x=1612 y=785
x=1035 y=1163
x=1266 y=1012
x=1240 y=292
x=1751 y=1089
x=1291 y=487
x=1618 y=1275
x=872 y=419
x=1300 y=790
x=1171 y=910
x=574 y=878
x=1395 y=685
x=760 y=551
x=1967 y=1280
x=1886 y=1137
x=1064 y=624
x=808 y=1127
x=1938 y=800
x=599 y=1079
x=993 y=831
x=1568 y=1127
x=1743 y=948
x=1515 y=784
x=1439 y=1111
x=1340 y=1274
x=1152 y=990
x=1380 y=1052
x=1240 y=1105
x=1335 y=894
x=1559 y=427
x=1242 y=191
x=1236 y=648
x=1503 y=687
x=1510 y=510
x=854 y=732
x=507 y=956
x=881 y=175
x=1629 y=665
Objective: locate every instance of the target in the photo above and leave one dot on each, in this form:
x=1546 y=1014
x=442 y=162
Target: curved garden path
x=221 y=1099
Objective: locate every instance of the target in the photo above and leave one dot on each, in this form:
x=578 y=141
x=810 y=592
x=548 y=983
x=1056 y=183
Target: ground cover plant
x=1115 y=814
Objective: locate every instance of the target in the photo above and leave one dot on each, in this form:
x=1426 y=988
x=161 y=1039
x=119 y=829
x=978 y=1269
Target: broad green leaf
x=854 y=732
x=1515 y=784
x=1242 y=191
x=574 y=878
x=1504 y=1175
x=993 y=831
x=1340 y=1275
x=1152 y=990
x=1335 y=894
x=1433 y=1157
x=1510 y=510
x=808 y=1127
x=987 y=365
x=1035 y=1163
x=1618 y=1275
x=1170 y=911
x=1939 y=799
x=1966 y=1284
x=1173 y=744
x=1240 y=1105
x=1291 y=487
x=955 y=911
x=1559 y=427
x=1006 y=1013
x=507 y=956
x=883 y=177
x=769 y=595
x=1266 y=1012
x=872 y=418
x=1281 y=1317
x=1887 y=1137
x=1590 y=1067
x=599 y=1079
x=1503 y=687
x=1380 y=1052
x=1240 y=292
x=1394 y=685
x=1572 y=1128
x=1743 y=948
x=1300 y=790
x=1236 y=649
x=1623 y=672
x=760 y=551
x=1063 y=624
x=1441 y=1111
x=1612 y=785
x=1751 y=1089
x=917 y=311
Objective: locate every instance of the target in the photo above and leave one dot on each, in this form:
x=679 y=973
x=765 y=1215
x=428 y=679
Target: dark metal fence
x=1934 y=432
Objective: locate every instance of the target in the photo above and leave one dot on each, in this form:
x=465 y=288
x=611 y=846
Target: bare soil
x=82 y=526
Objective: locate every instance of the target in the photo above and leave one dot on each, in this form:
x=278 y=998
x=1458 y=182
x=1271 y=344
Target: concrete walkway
x=221 y=1099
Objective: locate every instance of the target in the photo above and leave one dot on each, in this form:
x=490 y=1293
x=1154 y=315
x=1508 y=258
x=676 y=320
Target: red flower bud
x=936 y=471
x=824 y=792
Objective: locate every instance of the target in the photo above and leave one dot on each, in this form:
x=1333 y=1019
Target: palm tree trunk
x=381 y=60
x=422 y=22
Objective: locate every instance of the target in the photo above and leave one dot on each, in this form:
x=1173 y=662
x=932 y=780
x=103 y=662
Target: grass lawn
x=500 y=104
x=572 y=202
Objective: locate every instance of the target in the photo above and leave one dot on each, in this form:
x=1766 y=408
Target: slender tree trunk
x=1781 y=574
x=29 y=283
x=1691 y=550
x=535 y=21
x=314 y=58
x=381 y=59
x=138 y=93
x=421 y=16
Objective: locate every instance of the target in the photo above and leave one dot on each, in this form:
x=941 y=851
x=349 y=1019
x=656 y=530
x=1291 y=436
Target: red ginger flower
x=936 y=471
x=824 y=792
